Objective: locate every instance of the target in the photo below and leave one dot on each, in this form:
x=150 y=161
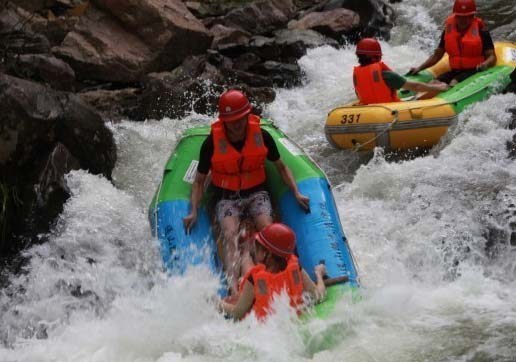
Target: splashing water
x=431 y=236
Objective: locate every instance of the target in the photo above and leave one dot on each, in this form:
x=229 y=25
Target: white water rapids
x=431 y=292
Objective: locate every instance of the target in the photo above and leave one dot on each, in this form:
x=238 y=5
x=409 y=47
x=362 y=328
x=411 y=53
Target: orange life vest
x=464 y=49
x=370 y=86
x=233 y=170
x=267 y=285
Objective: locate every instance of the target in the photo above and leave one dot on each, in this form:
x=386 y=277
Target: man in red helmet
x=274 y=269
x=375 y=82
x=235 y=153
x=466 y=40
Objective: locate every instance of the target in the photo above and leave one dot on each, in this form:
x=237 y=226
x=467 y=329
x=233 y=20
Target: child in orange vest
x=276 y=270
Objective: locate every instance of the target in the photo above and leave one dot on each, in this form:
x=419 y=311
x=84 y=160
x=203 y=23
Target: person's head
x=274 y=244
x=368 y=51
x=234 y=109
x=464 y=11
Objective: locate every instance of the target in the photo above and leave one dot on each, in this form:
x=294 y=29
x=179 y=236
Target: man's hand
x=413 y=71
x=481 y=67
x=320 y=270
x=441 y=86
x=303 y=201
x=189 y=221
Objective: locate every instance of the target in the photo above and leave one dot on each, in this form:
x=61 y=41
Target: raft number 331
x=350 y=118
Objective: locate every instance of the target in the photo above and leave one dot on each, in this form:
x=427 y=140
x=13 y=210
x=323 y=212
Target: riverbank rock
x=43 y=135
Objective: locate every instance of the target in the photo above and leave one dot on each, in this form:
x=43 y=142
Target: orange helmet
x=369 y=46
x=278 y=238
x=233 y=105
x=464 y=7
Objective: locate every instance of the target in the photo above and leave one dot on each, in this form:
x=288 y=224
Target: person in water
x=273 y=269
x=375 y=82
x=466 y=40
x=235 y=153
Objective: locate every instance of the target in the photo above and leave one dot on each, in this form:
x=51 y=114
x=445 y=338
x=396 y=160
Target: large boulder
x=259 y=17
x=43 y=68
x=101 y=49
x=225 y=37
x=167 y=27
x=287 y=45
x=376 y=16
x=43 y=135
x=332 y=23
x=193 y=86
x=114 y=105
x=211 y=8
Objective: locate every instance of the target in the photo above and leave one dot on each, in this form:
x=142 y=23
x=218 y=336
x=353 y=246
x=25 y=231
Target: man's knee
x=229 y=227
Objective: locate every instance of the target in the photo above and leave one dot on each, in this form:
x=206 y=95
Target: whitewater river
x=431 y=291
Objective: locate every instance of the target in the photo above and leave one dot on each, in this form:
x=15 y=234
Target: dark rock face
x=281 y=74
x=100 y=48
x=332 y=23
x=167 y=27
x=260 y=17
x=376 y=16
x=44 y=68
x=43 y=135
x=511 y=146
x=113 y=105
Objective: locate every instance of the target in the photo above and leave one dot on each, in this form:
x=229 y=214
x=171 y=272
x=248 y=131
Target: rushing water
x=431 y=291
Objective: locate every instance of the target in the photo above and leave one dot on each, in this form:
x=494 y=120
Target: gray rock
x=167 y=27
x=332 y=23
x=44 y=134
x=101 y=49
x=47 y=69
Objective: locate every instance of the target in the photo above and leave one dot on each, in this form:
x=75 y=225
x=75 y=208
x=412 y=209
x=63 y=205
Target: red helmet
x=464 y=7
x=233 y=105
x=278 y=238
x=369 y=46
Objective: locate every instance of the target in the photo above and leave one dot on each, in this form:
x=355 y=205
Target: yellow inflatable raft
x=414 y=123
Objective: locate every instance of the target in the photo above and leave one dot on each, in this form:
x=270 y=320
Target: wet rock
x=287 y=45
x=511 y=146
x=281 y=74
x=23 y=42
x=194 y=86
x=113 y=105
x=55 y=29
x=376 y=16
x=218 y=60
x=44 y=68
x=332 y=23
x=235 y=76
x=258 y=96
x=264 y=47
x=203 y=9
x=32 y=5
x=246 y=61
x=44 y=134
x=295 y=42
x=13 y=18
x=167 y=27
x=259 y=17
x=225 y=37
x=99 y=48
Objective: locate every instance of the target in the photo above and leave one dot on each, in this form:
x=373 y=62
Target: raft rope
x=357 y=146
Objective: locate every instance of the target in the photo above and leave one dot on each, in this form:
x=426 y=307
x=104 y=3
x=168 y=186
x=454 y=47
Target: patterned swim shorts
x=256 y=204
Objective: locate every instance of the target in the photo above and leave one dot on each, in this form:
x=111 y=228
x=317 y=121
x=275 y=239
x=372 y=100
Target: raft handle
x=334 y=281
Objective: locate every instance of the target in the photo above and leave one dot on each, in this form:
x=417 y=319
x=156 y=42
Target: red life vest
x=267 y=285
x=233 y=170
x=370 y=86
x=464 y=49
